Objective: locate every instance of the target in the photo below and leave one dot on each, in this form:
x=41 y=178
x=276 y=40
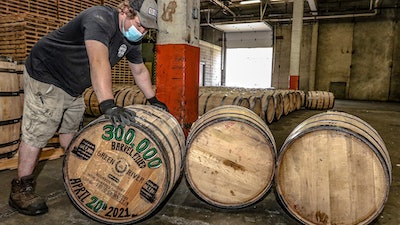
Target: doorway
x=249 y=67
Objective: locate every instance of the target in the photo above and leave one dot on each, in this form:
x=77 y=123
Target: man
x=61 y=66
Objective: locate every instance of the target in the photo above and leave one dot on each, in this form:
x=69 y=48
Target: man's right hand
x=117 y=114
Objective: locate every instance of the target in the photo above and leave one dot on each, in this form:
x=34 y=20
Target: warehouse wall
x=371 y=60
x=210 y=59
x=356 y=59
x=334 y=56
x=281 y=64
x=394 y=92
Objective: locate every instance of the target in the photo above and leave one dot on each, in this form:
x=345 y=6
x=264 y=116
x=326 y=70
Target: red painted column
x=177 y=81
x=294 y=82
x=178 y=59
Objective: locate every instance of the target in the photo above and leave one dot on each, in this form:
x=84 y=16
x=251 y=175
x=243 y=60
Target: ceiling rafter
x=220 y=11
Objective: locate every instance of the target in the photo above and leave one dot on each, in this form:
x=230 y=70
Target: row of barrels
x=232 y=161
x=333 y=168
x=269 y=104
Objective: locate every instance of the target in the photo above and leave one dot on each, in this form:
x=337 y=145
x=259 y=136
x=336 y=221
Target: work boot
x=24 y=199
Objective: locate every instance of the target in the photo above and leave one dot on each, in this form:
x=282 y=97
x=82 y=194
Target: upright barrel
x=11 y=111
x=333 y=168
x=121 y=175
x=230 y=157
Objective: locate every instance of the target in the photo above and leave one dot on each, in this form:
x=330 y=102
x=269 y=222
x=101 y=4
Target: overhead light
x=249 y=2
x=243 y=27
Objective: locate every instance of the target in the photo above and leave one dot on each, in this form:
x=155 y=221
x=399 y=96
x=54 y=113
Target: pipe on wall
x=374 y=8
x=221 y=4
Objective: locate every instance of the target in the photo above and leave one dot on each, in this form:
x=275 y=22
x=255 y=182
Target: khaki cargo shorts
x=48 y=109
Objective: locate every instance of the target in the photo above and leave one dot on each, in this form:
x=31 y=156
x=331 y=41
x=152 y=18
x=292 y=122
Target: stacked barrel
x=12 y=106
x=11 y=111
x=123 y=95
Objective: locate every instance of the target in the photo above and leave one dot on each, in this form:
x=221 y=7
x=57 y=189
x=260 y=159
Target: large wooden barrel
x=11 y=111
x=222 y=98
x=130 y=96
x=121 y=175
x=320 y=100
x=203 y=99
x=125 y=96
x=302 y=98
x=286 y=101
x=267 y=107
x=230 y=157
x=333 y=168
x=213 y=99
x=297 y=100
x=19 y=68
x=92 y=105
x=256 y=105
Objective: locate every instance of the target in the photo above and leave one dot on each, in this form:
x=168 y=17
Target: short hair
x=125 y=6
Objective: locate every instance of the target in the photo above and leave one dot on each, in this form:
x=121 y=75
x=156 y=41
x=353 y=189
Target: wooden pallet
x=113 y=3
x=49 y=153
x=19 y=32
x=68 y=9
x=24 y=22
x=43 y=7
x=14 y=6
x=121 y=73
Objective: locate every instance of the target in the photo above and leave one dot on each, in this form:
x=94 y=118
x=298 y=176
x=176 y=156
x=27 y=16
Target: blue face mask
x=132 y=34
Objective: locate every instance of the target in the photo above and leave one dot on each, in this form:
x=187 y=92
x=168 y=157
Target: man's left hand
x=155 y=102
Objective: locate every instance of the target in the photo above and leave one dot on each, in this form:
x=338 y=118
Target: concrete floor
x=184 y=208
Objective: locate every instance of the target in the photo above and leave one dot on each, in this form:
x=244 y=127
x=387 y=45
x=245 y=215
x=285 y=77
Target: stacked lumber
x=24 y=22
x=113 y=3
x=121 y=73
x=19 y=32
x=68 y=9
x=47 y=8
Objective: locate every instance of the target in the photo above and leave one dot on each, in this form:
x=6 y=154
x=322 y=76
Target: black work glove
x=154 y=101
x=117 y=114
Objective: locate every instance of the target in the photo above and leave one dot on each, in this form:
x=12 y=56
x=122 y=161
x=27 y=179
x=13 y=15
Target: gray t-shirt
x=60 y=58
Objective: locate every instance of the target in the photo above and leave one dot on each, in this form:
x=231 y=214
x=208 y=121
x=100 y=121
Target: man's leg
x=23 y=197
x=40 y=120
x=65 y=139
x=28 y=157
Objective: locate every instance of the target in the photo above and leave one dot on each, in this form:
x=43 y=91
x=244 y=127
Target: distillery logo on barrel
x=84 y=150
